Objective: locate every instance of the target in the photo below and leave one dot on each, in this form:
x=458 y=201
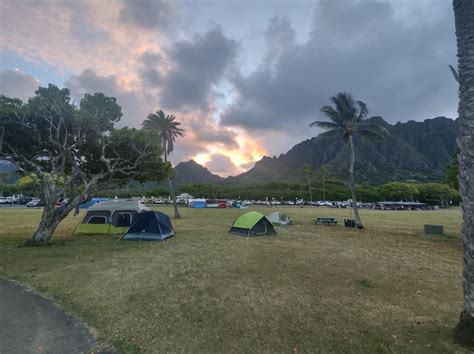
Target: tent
x=252 y=224
x=92 y=202
x=109 y=217
x=149 y=226
x=277 y=218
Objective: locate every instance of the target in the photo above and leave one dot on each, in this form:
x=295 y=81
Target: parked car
x=3 y=200
x=25 y=200
x=35 y=203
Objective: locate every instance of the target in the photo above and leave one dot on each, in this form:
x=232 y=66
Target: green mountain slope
x=414 y=151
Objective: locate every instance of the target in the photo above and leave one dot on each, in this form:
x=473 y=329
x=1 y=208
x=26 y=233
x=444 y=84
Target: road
x=31 y=323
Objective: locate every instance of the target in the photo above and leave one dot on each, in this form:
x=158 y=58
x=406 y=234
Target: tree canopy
x=72 y=150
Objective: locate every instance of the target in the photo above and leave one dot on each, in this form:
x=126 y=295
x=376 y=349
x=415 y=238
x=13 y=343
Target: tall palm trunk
x=464 y=20
x=177 y=215
x=324 y=189
x=310 y=192
x=353 y=185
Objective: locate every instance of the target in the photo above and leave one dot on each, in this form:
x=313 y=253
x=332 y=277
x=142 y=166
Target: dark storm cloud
x=148 y=71
x=150 y=76
x=218 y=136
x=206 y=132
x=149 y=14
x=398 y=68
x=197 y=65
x=15 y=84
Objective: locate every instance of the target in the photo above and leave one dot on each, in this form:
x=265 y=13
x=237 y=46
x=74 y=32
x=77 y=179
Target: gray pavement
x=30 y=323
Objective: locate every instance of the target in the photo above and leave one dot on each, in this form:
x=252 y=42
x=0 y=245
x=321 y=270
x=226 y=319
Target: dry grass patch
x=388 y=288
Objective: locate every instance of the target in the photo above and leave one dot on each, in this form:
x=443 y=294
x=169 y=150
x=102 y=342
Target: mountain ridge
x=414 y=151
x=418 y=151
x=190 y=172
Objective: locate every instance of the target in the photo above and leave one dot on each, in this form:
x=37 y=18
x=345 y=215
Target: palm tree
x=308 y=173
x=323 y=172
x=348 y=117
x=168 y=129
x=464 y=15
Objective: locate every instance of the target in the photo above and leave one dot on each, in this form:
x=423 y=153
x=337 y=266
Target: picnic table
x=325 y=220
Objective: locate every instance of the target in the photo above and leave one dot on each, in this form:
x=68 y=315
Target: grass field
x=388 y=288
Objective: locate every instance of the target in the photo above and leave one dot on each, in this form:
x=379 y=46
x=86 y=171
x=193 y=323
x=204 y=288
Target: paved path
x=30 y=323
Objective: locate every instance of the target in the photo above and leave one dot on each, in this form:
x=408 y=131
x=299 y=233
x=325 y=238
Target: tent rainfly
x=109 y=217
x=277 y=218
x=252 y=224
x=149 y=226
x=93 y=201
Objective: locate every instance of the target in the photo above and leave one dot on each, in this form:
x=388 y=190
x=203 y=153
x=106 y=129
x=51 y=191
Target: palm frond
x=331 y=113
x=166 y=126
x=373 y=131
x=363 y=111
x=325 y=125
x=373 y=127
x=331 y=133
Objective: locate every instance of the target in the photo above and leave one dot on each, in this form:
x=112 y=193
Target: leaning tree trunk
x=171 y=188
x=464 y=20
x=353 y=185
x=50 y=220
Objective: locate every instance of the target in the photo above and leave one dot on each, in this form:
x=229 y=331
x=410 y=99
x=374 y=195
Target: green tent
x=252 y=224
x=112 y=217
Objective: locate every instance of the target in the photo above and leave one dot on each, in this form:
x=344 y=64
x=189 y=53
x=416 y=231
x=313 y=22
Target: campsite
x=207 y=290
x=236 y=176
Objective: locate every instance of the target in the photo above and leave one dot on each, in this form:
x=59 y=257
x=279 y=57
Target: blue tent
x=198 y=203
x=92 y=202
x=149 y=226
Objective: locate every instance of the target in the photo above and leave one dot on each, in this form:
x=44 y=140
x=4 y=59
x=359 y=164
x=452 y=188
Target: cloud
x=134 y=106
x=219 y=136
x=222 y=165
x=149 y=14
x=398 y=68
x=76 y=35
x=279 y=34
x=197 y=65
x=14 y=83
x=239 y=92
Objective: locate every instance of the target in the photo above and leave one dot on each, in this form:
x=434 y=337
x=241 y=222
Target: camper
x=109 y=217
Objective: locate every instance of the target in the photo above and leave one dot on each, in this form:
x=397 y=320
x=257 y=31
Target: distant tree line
x=431 y=193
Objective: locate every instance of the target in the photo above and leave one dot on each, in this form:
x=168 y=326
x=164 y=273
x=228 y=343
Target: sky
x=245 y=78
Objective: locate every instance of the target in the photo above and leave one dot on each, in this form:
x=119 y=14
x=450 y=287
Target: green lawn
x=388 y=288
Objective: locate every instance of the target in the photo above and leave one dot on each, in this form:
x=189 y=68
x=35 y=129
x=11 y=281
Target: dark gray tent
x=149 y=226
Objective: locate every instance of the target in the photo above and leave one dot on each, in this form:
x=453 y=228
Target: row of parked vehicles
x=21 y=200
x=30 y=202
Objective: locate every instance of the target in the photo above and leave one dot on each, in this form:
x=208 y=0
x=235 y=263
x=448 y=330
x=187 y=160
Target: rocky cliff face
x=413 y=151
